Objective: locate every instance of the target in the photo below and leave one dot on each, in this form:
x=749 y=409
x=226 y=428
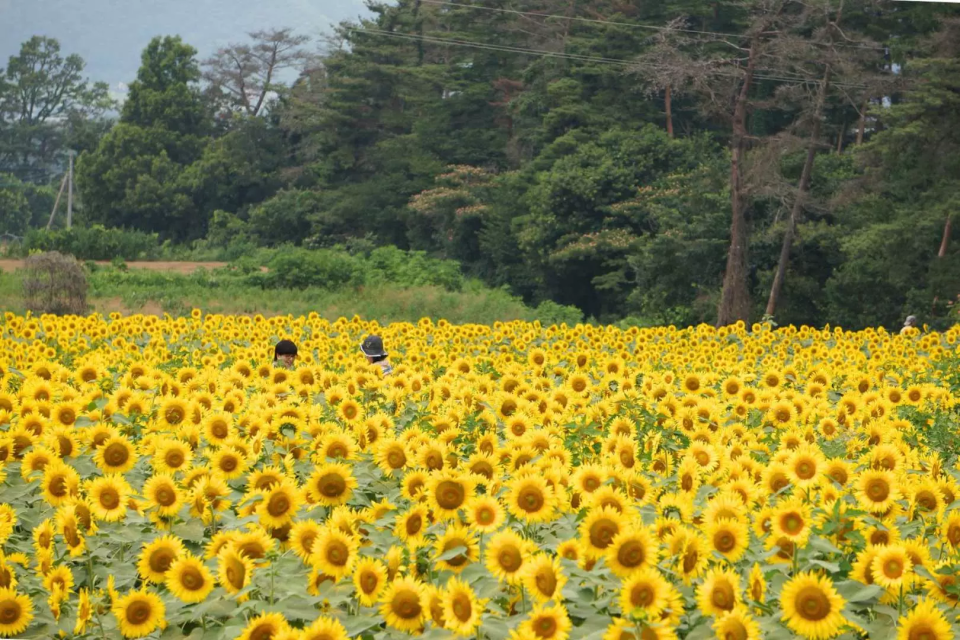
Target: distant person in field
x=285 y=354
x=372 y=347
x=908 y=324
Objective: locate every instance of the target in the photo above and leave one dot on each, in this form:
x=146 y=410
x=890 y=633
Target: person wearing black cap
x=372 y=347
x=284 y=354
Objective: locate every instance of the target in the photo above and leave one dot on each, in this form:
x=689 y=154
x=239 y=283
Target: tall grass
x=135 y=291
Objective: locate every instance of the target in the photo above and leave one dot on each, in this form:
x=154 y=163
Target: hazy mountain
x=111 y=34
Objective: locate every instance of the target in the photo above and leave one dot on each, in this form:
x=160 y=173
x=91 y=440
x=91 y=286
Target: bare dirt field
x=172 y=267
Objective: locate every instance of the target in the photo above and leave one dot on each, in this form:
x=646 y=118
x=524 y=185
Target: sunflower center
x=174 y=459
x=893 y=568
x=805 y=469
x=58 y=486
x=116 y=454
x=161 y=560
x=631 y=554
x=396 y=459
x=953 y=534
x=278 y=505
x=690 y=560
x=812 y=604
x=191 y=579
x=166 y=496
x=10 y=612
x=927 y=500
x=792 y=523
x=724 y=541
x=734 y=630
x=510 y=559
x=462 y=608
x=228 y=463
x=337 y=553
x=337 y=450
x=369 y=582
x=236 y=574
x=414 y=524
x=139 y=612
x=450 y=494
x=722 y=596
x=602 y=533
x=546 y=582
x=485 y=516
x=878 y=490
x=406 y=605
x=531 y=499
x=457 y=560
x=545 y=627
x=332 y=485
x=109 y=498
x=219 y=430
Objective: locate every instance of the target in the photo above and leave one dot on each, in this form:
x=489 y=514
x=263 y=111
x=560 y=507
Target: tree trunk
x=668 y=100
x=843 y=131
x=945 y=243
x=735 y=296
x=797 y=208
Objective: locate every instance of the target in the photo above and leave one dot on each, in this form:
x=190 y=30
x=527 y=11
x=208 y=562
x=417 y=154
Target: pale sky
x=111 y=34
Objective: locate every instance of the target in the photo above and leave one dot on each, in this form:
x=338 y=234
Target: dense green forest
x=669 y=161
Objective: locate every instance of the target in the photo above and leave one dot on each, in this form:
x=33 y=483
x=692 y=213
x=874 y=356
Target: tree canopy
x=674 y=162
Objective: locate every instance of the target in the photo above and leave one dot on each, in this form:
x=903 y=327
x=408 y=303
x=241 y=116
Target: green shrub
x=94 y=243
x=301 y=268
x=549 y=312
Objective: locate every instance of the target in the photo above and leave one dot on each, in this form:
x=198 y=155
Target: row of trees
x=759 y=157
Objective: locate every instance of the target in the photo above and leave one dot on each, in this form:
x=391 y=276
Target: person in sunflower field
x=284 y=354
x=908 y=324
x=372 y=348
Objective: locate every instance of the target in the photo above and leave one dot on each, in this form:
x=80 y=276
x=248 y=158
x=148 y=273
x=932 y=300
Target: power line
x=568 y=56
x=622 y=24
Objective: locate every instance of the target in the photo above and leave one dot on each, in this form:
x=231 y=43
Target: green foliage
x=94 y=243
x=135 y=178
x=46 y=108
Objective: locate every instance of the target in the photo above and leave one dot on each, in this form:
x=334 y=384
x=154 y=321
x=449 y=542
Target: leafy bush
x=94 y=243
x=54 y=283
x=412 y=269
x=549 y=312
x=301 y=268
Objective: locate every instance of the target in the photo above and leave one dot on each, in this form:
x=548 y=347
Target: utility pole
x=70 y=192
x=63 y=183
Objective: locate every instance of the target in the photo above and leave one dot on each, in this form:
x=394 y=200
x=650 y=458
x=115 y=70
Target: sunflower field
x=161 y=478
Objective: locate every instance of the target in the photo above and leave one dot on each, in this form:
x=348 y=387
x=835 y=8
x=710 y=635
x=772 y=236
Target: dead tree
x=242 y=76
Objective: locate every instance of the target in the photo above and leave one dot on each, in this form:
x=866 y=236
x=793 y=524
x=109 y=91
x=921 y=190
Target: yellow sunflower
x=108 y=496
x=632 y=549
x=189 y=579
x=812 y=607
x=369 y=579
x=138 y=613
x=403 y=604
x=334 y=553
x=16 y=612
x=324 y=628
x=719 y=593
x=461 y=608
x=924 y=621
x=331 y=484
x=506 y=554
x=234 y=569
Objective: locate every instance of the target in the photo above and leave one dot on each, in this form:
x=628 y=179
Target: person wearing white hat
x=909 y=324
